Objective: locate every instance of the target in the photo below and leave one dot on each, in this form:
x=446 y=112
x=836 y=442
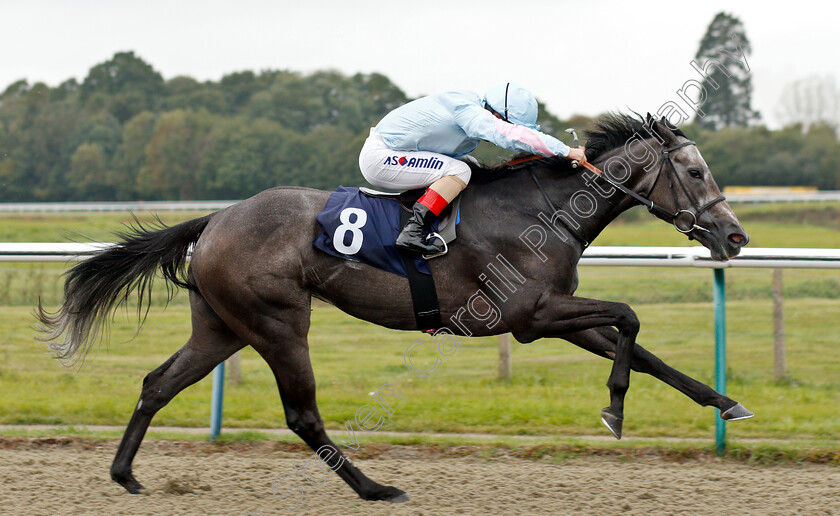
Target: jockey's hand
x=578 y=155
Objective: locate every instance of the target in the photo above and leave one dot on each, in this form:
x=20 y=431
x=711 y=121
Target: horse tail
x=94 y=287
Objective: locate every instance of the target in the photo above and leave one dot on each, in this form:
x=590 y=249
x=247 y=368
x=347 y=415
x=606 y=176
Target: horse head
x=665 y=171
x=684 y=185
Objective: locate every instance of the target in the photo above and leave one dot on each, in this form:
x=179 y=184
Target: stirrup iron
x=433 y=235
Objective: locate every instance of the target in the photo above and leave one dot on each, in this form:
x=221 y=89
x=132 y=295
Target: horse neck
x=582 y=203
x=579 y=198
x=637 y=175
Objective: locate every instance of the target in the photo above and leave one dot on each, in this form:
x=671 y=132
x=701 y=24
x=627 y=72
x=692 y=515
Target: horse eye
x=695 y=173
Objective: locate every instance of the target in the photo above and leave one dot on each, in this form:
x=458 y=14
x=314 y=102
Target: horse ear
x=662 y=131
x=668 y=124
x=649 y=119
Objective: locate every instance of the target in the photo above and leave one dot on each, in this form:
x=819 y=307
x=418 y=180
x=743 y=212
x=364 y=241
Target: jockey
x=426 y=143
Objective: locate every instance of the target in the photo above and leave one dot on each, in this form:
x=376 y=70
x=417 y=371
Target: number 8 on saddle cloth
x=361 y=228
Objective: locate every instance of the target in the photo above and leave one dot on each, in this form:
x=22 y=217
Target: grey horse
x=254 y=272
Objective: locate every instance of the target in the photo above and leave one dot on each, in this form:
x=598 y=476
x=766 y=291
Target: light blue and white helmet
x=516 y=104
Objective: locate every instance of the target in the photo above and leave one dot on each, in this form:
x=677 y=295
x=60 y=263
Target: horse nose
x=738 y=239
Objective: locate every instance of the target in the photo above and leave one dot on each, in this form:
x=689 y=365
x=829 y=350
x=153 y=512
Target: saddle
x=446 y=222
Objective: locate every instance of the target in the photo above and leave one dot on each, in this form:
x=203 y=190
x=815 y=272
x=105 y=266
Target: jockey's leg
x=426 y=210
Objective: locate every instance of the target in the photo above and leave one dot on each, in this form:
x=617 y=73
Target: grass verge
x=553 y=450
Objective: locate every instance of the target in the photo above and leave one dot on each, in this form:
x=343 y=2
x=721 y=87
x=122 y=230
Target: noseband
x=687 y=215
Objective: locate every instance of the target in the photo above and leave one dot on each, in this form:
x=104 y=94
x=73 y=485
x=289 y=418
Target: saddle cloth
x=364 y=227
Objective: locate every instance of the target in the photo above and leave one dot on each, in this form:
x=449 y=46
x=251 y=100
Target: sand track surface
x=70 y=476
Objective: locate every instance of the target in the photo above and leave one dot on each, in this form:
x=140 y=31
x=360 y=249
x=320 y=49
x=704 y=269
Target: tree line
x=125 y=133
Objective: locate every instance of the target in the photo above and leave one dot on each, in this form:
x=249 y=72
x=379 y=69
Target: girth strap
x=423 y=293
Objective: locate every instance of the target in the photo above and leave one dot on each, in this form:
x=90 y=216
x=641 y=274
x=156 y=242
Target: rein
x=671 y=172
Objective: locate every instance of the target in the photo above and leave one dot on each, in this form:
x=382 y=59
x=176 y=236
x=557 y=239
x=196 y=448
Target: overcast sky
x=577 y=57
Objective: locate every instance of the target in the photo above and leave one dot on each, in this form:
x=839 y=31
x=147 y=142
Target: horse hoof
x=735 y=413
x=401 y=498
x=387 y=494
x=129 y=483
x=612 y=422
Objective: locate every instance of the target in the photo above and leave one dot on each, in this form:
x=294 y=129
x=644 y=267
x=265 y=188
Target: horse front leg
x=602 y=342
x=560 y=314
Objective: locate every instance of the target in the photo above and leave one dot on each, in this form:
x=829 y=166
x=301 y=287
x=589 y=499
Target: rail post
x=505 y=363
x=235 y=368
x=216 y=404
x=778 y=326
x=720 y=354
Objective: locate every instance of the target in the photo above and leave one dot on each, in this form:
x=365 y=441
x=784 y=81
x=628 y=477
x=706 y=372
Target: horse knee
x=305 y=423
x=627 y=321
x=618 y=385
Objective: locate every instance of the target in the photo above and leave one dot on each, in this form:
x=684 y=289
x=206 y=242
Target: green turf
x=77 y=226
x=767 y=226
x=554 y=449
x=557 y=389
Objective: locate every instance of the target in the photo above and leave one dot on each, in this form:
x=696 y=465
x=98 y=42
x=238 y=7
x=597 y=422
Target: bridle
x=672 y=175
x=673 y=180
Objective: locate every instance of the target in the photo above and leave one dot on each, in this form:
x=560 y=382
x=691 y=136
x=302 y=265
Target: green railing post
x=216 y=402
x=720 y=354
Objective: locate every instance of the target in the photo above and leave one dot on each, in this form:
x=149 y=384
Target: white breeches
x=407 y=170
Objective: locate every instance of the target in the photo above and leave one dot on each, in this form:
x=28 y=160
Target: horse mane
x=610 y=132
x=483 y=174
x=614 y=129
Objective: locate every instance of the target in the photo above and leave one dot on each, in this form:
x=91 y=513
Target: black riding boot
x=413 y=235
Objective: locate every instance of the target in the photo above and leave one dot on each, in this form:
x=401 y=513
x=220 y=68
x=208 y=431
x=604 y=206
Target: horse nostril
x=738 y=239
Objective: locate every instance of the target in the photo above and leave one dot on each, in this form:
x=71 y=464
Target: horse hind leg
x=283 y=345
x=205 y=349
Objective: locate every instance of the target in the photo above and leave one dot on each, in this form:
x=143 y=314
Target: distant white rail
x=153 y=206
x=48 y=252
x=822 y=196
x=699 y=256
x=696 y=256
